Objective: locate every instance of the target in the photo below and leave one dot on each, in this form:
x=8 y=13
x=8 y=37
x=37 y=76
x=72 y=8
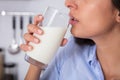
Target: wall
x=6 y=32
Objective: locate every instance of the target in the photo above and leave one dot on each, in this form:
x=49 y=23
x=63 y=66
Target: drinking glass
x=54 y=25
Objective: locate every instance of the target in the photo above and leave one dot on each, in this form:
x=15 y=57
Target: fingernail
x=40 y=17
x=30 y=48
x=36 y=40
x=39 y=31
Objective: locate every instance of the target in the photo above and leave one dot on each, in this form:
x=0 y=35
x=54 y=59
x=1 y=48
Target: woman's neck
x=109 y=58
x=108 y=46
x=108 y=53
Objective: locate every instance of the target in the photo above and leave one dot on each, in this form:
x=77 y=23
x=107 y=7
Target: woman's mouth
x=73 y=20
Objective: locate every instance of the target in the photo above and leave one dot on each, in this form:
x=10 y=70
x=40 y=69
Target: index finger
x=38 y=19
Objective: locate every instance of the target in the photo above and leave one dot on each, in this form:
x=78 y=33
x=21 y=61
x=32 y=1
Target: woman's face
x=91 y=18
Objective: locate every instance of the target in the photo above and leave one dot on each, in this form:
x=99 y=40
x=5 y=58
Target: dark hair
x=116 y=3
x=82 y=41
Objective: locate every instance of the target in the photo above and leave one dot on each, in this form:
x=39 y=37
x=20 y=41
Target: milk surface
x=49 y=43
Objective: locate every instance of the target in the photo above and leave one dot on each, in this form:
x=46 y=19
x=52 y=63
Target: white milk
x=49 y=43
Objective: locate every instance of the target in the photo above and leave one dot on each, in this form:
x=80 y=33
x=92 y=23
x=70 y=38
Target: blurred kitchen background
x=15 y=15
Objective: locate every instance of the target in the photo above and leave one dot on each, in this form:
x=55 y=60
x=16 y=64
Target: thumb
x=64 y=42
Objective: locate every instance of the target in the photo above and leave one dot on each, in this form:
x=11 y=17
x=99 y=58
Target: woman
x=94 y=54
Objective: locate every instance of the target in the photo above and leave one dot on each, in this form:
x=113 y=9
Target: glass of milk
x=54 y=25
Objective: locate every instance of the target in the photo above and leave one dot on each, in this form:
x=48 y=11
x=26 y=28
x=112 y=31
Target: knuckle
x=32 y=28
x=29 y=27
x=28 y=37
x=22 y=47
x=26 y=47
x=35 y=17
x=25 y=35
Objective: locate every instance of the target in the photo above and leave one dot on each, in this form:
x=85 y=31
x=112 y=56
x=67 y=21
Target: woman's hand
x=34 y=28
x=34 y=71
x=29 y=37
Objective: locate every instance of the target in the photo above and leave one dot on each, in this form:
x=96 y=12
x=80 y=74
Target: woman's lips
x=73 y=21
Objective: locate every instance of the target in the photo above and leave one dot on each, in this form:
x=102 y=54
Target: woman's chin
x=79 y=35
x=75 y=33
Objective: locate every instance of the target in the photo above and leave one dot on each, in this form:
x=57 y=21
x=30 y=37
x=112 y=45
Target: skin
x=95 y=17
x=34 y=71
x=98 y=20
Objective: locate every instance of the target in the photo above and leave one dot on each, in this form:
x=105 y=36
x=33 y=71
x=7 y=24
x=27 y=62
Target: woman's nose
x=70 y=4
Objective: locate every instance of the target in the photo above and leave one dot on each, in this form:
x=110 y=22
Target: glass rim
x=56 y=9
